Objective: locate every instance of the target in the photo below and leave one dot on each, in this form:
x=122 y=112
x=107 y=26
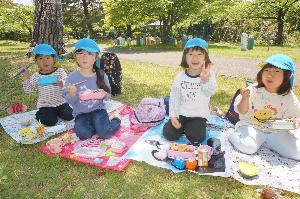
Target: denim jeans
x=95 y=122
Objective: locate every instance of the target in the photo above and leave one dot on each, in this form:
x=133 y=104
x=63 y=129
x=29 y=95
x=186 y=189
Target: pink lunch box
x=92 y=95
x=181 y=155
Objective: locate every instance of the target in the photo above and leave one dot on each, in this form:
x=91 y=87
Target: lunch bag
x=150 y=112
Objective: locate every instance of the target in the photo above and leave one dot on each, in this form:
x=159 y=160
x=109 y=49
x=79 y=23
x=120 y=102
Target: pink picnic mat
x=109 y=153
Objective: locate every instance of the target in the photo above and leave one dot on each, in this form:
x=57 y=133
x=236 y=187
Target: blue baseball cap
x=45 y=49
x=196 y=42
x=283 y=62
x=88 y=45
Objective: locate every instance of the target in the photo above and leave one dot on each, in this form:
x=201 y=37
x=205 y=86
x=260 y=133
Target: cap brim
x=92 y=50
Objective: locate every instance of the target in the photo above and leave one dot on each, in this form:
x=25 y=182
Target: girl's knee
x=197 y=137
x=49 y=121
x=169 y=134
x=83 y=133
x=67 y=117
x=105 y=135
x=242 y=145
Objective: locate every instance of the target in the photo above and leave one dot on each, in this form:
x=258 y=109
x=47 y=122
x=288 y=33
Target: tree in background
x=227 y=19
x=142 y=12
x=15 y=21
x=83 y=18
x=278 y=11
x=48 y=24
x=210 y=20
x=125 y=13
x=214 y=20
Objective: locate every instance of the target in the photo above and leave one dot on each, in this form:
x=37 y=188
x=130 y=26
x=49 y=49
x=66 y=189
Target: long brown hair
x=100 y=78
x=285 y=86
x=183 y=59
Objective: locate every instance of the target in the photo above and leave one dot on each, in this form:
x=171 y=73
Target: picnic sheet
x=98 y=152
x=275 y=171
x=12 y=124
x=142 y=150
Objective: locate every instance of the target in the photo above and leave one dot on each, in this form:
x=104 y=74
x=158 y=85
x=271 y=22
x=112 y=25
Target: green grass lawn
x=27 y=173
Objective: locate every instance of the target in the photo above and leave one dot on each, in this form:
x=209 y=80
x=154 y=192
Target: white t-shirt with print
x=263 y=104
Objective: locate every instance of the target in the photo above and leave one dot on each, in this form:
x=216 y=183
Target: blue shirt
x=84 y=106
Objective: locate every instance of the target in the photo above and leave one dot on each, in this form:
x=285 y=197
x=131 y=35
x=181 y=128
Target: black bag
x=111 y=65
x=231 y=115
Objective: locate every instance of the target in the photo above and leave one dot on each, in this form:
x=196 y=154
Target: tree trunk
x=48 y=24
x=280 y=24
x=164 y=35
x=129 y=30
x=87 y=16
x=165 y=30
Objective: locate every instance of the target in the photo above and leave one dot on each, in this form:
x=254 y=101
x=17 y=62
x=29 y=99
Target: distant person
x=86 y=90
x=271 y=98
x=190 y=94
x=49 y=81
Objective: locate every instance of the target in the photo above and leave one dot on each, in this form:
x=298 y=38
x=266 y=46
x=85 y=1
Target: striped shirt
x=49 y=95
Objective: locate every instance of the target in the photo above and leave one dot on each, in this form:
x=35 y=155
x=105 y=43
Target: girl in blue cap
x=49 y=82
x=190 y=94
x=86 y=90
x=271 y=98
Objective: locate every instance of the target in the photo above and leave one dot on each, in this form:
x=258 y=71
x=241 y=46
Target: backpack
x=150 y=112
x=111 y=65
x=231 y=115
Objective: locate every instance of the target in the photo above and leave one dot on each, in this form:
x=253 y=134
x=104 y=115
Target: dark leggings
x=193 y=127
x=49 y=115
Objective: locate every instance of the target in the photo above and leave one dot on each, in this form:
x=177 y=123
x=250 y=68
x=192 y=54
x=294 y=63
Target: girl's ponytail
x=100 y=79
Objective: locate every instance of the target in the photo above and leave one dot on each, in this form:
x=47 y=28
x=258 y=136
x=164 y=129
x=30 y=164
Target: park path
x=228 y=66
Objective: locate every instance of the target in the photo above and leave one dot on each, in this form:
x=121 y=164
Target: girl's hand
x=175 y=123
x=245 y=92
x=205 y=73
x=25 y=75
x=60 y=84
x=72 y=90
x=297 y=121
x=102 y=93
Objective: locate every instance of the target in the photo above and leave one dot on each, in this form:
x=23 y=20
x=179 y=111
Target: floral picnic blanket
x=12 y=124
x=107 y=154
x=275 y=171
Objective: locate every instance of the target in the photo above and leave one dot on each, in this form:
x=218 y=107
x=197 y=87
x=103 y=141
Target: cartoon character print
x=261 y=116
x=89 y=103
x=267 y=112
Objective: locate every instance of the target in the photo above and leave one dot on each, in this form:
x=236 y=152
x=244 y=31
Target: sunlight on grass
x=27 y=173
